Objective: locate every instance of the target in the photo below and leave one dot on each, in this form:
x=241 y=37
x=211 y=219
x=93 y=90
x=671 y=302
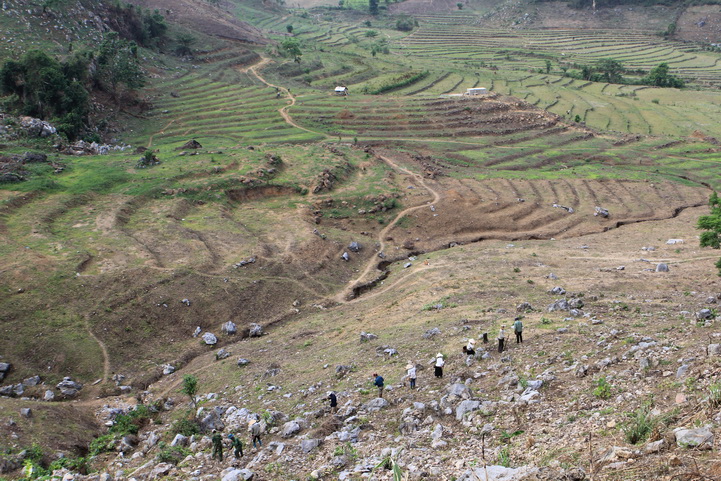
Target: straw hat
x=439 y=355
x=471 y=341
x=251 y=422
x=409 y=365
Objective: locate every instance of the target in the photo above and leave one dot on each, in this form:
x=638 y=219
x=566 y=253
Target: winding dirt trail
x=103 y=348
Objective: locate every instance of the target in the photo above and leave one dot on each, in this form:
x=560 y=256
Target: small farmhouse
x=341 y=90
x=477 y=91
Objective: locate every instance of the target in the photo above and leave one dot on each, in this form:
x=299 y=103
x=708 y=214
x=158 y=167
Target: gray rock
x=562 y=330
x=255 y=330
x=5 y=367
x=682 y=371
x=168 y=369
x=212 y=420
x=179 y=440
x=654 y=447
x=431 y=333
x=19 y=389
x=68 y=387
x=31 y=381
x=375 y=405
x=6 y=390
x=229 y=328
x=160 y=470
x=221 y=354
x=704 y=315
x=345 y=256
x=661 y=267
x=233 y=474
x=714 y=350
x=308 y=445
x=552 y=276
x=558 y=290
x=342 y=369
x=509 y=381
x=26 y=412
x=210 y=339
x=534 y=384
x=49 y=396
x=701 y=438
x=367 y=336
x=498 y=473
x=601 y=211
x=559 y=305
x=355 y=246
x=465 y=407
x=575 y=303
x=524 y=307
x=243 y=361
x=197 y=331
x=459 y=390
x=290 y=428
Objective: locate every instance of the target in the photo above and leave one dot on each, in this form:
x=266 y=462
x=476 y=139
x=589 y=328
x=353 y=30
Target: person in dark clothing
x=333 y=402
x=237 y=446
x=518 y=329
x=217 y=440
x=501 y=338
x=379 y=383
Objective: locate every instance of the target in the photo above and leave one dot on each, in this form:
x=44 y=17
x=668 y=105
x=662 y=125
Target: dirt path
x=162 y=131
x=283 y=111
x=103 y=348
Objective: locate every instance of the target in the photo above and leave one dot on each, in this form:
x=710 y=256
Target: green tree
x=190 y=388
x=292 y=48
x=711 y=225
x=289 y=28
x=373 y=7
x=459 y=5
x=184 y=41
x=118 y=64
x=660 y=77
x=548 y=66
x=341 y=3
x=611 y=70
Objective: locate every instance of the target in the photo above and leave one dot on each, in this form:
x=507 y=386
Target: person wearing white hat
x=471 y=347
x=254 y=428
x=410 y=374
x=438 y=366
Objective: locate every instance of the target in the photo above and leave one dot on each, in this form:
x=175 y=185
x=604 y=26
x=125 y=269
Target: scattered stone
x=191 y=144
x=367 y=336
x=345 y=256
x=375 y=405
x=197 y=331
x=498 y=473
x=229 y=328
x=49 y=396
x=244 y=262
x=559 y=305
x=26 y=412
x=700 y=438
x=682 y=371
x=243 y=362
x=558 y=290
x=161 y=470
x=431 y=333
x=705 y=315
x=308 y=445
x=354 y=246
x=661 y=267
x=221 y=354
x=210 y=339
x=567 y=209
x=674 y=241
x=186 y=302
x=179 y=440
x=290 y=428
x=601 y=211
x=168 y=369
x=255 y=330
x=714 y=350
x=68 y=387
x=31 y=381
x=524 y=307
x=341 y=370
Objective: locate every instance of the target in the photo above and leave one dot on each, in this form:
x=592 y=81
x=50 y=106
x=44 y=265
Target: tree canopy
x=711 y=225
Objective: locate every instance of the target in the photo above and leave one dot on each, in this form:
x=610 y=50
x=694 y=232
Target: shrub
x=186 y=427
x=171 y=454
x=640 y=425
x=603 y=388
x=132 y=422
x=102 y=444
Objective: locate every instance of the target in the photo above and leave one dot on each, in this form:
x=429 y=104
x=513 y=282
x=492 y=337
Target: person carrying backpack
x=518 y=329
x=379 y=383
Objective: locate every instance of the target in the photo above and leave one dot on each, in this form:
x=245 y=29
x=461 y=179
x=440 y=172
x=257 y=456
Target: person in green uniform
x=237 y=445
x=217 y=440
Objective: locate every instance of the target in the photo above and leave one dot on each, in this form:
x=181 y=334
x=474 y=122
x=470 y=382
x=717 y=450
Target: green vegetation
x=602 y=389
x=190 y=388
x=711 y=225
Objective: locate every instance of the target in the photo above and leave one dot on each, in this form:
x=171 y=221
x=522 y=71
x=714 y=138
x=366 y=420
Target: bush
x=132 y=422
x=186 y=427
x=640 y=425
x=603 y=388
x=171 y=454
x=102 y=444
